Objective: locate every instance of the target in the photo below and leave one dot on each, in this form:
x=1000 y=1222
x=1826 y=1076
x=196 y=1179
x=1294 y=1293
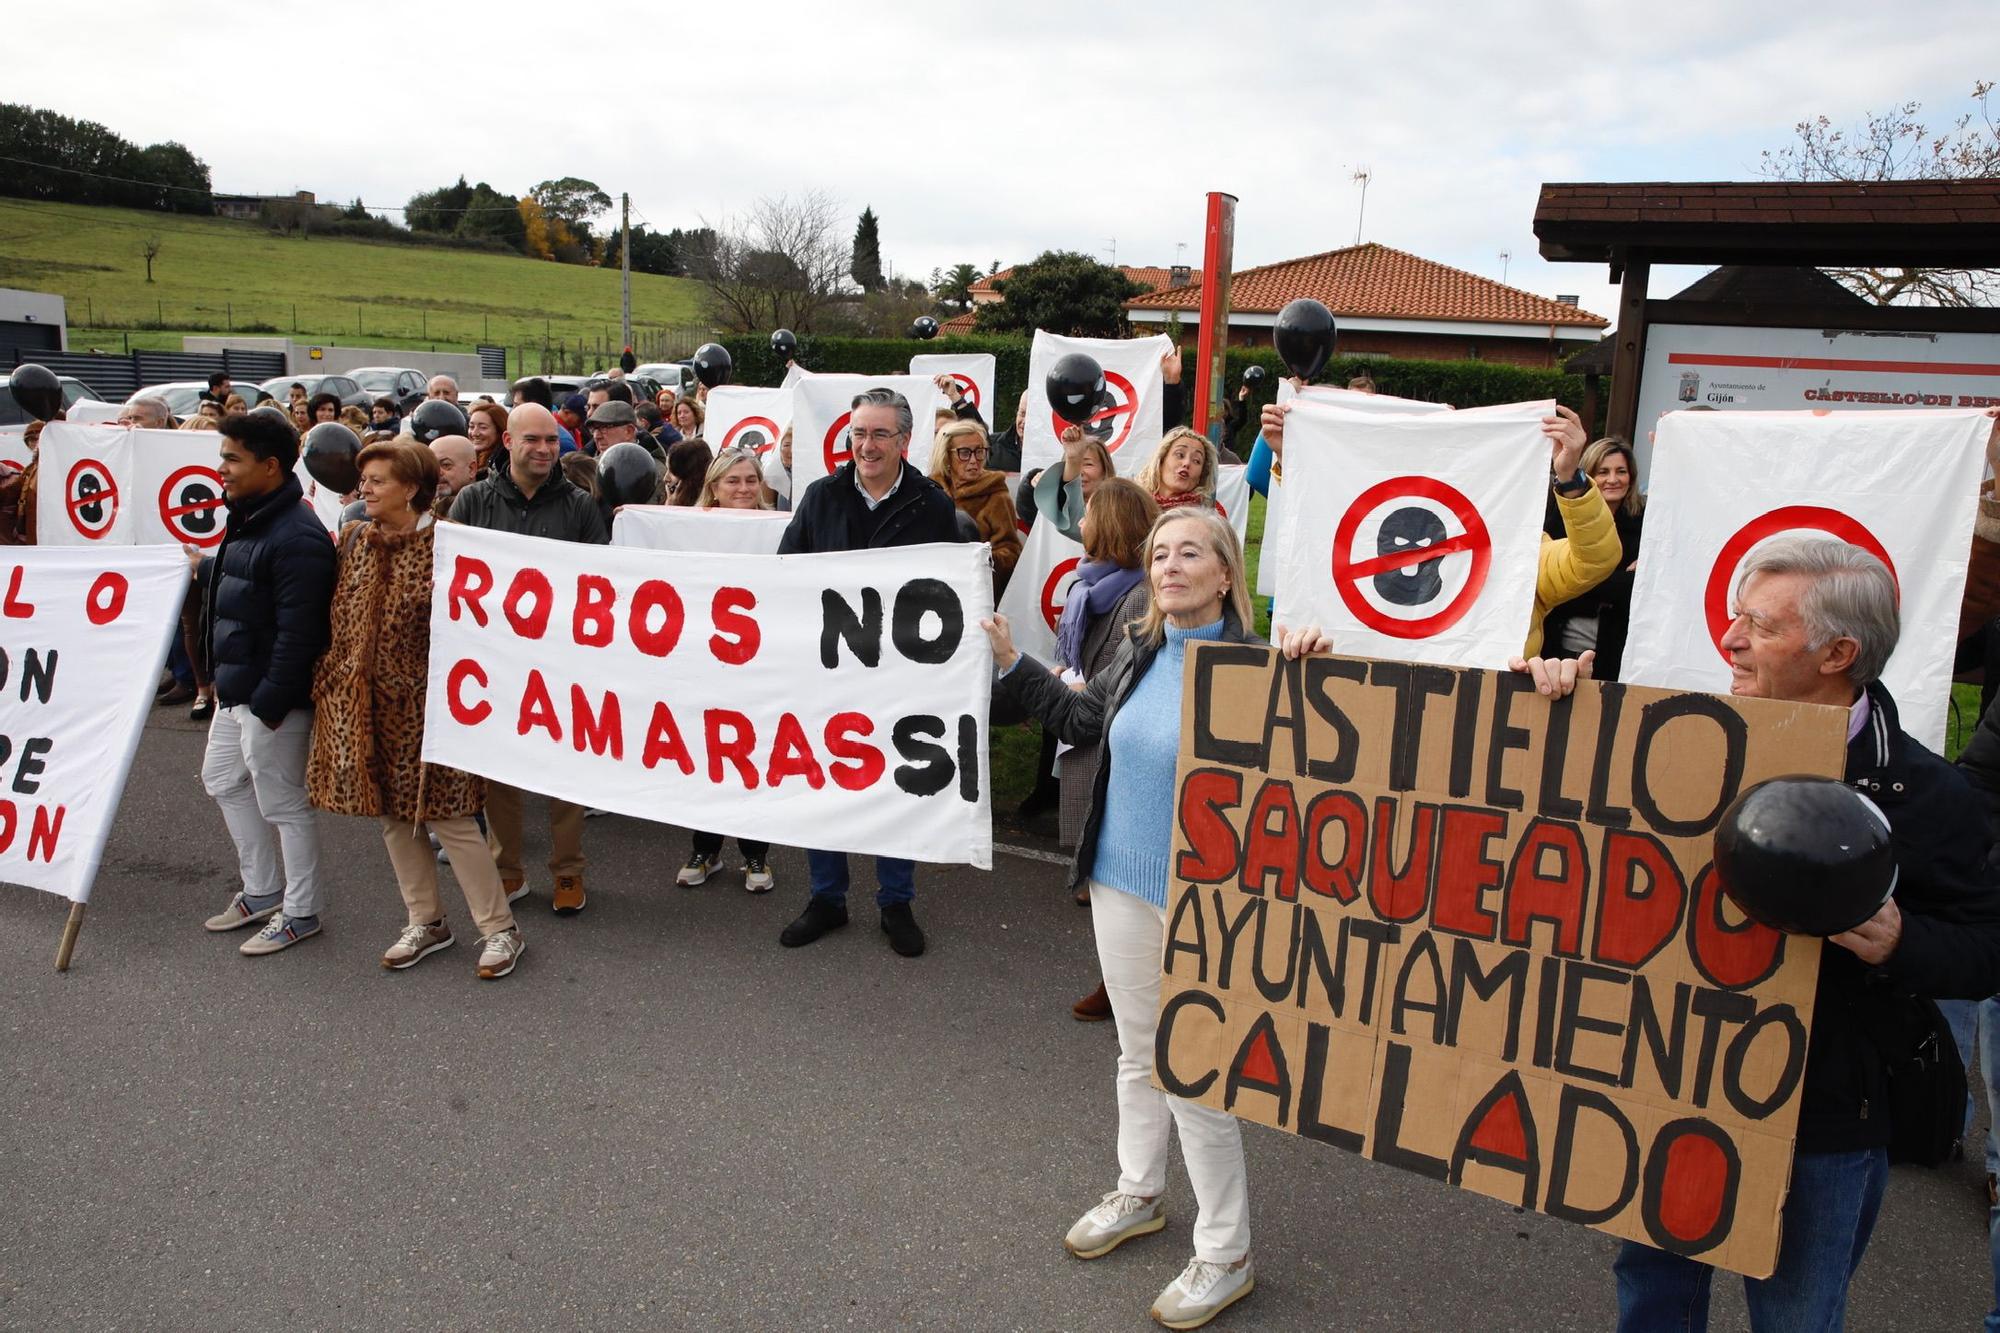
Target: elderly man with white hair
x=442 y=386
x=147 y=413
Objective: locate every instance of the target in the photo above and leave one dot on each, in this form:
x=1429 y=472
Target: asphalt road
x=664 y=1120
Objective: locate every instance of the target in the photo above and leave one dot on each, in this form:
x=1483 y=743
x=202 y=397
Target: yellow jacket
x=1576 y=564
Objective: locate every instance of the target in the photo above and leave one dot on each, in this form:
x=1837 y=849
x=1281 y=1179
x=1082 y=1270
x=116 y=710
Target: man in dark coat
x=530 y=496
x=270 y=589
x=1815 y=621
x=875 y=499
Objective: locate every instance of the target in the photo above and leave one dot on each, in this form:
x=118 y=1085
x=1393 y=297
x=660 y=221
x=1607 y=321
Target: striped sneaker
x=279 y=933
x=240 y=913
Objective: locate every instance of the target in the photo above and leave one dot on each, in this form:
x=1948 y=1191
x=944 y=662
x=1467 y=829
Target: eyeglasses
x=967 y=455
x=875 y=436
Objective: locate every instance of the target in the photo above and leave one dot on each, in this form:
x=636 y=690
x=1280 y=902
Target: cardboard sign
x=834 y=701
x=1426 y=537
x=738 y=414
x=976 y=373
x=1277 y=514
x=821 y=406
x=1129 y=411
x=87 y=632
x=1901 y=485
x=1425 y=915
x=675 y=528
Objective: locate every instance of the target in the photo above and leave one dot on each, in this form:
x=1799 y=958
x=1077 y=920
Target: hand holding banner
x=976 y=373
x=671 y=688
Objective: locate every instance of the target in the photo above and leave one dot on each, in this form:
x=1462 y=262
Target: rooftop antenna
x=1113 y=243
x=1362 y=175
x=1180 y=253
x=1505 y=256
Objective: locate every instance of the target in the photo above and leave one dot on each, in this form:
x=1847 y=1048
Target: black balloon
x=785 y=344
x=1255 y=375
x=712 y=364
x=1305 y=336
x=37 y=390
x=1074 y=383
x=925 y=327
x=627 y=475
x=435 y=417
x=330 y=449
x=1806 y=855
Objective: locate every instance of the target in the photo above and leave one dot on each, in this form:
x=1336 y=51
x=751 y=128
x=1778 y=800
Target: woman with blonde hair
x=958 y=464
x=1133 y=707
x=1600 y=617
x=1182 y=470
x=734 y=481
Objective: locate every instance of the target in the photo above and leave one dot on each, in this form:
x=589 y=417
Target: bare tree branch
x=779 y=267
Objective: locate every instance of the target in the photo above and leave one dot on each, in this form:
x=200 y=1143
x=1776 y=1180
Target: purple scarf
x=1104 y=584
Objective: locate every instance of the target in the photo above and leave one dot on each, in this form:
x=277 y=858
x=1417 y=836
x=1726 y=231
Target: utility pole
x=625 y=270
x=1362 y=175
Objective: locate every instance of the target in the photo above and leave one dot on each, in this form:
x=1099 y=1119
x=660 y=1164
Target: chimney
x=1569 y=300
x=1180 y=275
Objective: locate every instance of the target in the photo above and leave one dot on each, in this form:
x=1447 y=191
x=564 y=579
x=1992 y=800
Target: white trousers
x=1131 y=936
x=258 y=777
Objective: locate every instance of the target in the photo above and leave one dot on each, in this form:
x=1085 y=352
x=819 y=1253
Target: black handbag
x=1924 y=1079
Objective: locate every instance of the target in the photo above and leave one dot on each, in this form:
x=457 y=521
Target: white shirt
x=869 y=500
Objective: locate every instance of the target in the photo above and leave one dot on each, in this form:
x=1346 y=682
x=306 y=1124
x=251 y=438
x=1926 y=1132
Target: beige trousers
x=503 y=832
x=416 y=871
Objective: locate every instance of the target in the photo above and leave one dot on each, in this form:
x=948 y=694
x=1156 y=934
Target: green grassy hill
x=214 y=275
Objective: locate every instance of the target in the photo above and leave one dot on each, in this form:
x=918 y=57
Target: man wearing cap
x=614 y=422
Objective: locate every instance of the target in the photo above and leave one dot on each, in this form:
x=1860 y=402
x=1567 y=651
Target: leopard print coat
x=369 y=688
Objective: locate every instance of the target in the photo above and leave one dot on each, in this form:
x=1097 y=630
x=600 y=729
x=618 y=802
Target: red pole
x=1217 y=253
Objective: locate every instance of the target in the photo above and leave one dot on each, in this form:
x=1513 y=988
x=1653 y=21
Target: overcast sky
x=984 y=132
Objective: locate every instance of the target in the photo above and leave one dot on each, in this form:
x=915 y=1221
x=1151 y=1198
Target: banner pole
x=1217 y=257
x=71 y=928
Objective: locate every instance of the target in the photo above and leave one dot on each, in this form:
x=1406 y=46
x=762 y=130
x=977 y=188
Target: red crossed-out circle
x=1715 y=598
x=1122 y=413
x=105 y=497
x=1349 y=572
x=173 y=511
x=836 y=450
x=1051 y=608
x=769 y=427
x=971 y=389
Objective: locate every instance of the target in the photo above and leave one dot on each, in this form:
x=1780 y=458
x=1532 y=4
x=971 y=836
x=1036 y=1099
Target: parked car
x=183 y=396
x=342 y=386
x=405 y=386
x=560 y=386
x=74 y=390
x=675 y=375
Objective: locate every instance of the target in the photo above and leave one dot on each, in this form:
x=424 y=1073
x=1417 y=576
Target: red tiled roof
x=1152 y=279
x=964 y=323
x=1376 y=280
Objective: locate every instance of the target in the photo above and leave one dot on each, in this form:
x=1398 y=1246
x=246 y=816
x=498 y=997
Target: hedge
x=1460 y=383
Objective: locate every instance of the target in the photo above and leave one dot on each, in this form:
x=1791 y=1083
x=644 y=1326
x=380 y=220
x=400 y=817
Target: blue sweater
x=1136 y=838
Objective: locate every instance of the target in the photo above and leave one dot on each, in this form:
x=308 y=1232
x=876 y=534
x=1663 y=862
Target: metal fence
x=117 y=377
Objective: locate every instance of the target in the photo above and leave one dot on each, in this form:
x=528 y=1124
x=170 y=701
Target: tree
x=492 y=216
x=82 y=162
x=438 y=210
x=574 y=202
x=884 y=314
x=955 y=287
x=150 y=248
x=780 y=267
x=1064 y=292
x=1896 y=145
x=867 y=267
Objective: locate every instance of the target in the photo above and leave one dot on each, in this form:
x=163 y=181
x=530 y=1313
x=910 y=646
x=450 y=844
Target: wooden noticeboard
x=1424 y=914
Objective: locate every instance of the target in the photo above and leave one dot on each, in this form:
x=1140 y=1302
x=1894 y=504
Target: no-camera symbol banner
x=1415 y=536
x=1127 y=419
x=821 y=406
x=976 y=373
x=1902 y=485
x=129 y=487
x=742 y=415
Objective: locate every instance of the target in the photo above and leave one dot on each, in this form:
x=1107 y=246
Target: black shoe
x=179 y=694
x=203 y=710
x=820 y=916
x=906 y=937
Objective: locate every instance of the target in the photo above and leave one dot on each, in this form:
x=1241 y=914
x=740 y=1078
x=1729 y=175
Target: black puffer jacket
x=560 y=510
x=269 y=585
x=1083 y=717
x=1950 y=947
x=831 y=515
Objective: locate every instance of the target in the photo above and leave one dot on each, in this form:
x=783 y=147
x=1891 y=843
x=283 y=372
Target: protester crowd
x=308 y=659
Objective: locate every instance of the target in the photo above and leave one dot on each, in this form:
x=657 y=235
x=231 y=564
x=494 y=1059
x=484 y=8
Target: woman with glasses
x=958 y=464
x=733 y=481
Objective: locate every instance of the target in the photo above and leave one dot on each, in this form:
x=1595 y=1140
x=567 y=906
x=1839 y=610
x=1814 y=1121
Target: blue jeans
x=895 y=879
x=1827 y=1220
x=1975 y=1025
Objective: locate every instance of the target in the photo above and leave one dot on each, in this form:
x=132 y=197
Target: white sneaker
x=1113 y=1222
x=1203 y=1291
x=499 y=952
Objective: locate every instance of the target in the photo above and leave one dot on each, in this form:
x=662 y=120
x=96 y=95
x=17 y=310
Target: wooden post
x=1623 y=417
x=70 y=929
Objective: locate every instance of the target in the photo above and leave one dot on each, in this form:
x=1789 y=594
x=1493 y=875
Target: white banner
x=723 y=531
x=326 y=504
x=1402 y=563
x=1232 y=497
x=87 y=634
x=92 y=412
x=1903 y=485
x=1128 y=412
x=821 y=405
x=1742 y=369
x=140 y=487
x=14 y=452
x=1040 y=585
x=976 y=373
x=1276 y=516
x=833 y=701
x=740 y=414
